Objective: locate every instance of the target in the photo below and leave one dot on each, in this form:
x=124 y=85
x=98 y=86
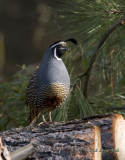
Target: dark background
x=27 y=28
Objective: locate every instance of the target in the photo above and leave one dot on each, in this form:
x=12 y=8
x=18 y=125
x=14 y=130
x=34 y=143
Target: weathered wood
x=4 y=153
x=22 y=153
x=19 y=154
x=119 y=136
x=58 y=141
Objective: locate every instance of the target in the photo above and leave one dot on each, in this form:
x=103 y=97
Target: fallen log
x=98 y=137
x=59 y=141
x=19 y=154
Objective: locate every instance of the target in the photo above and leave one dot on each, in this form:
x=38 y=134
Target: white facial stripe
x=56 y=44
x=56 y=55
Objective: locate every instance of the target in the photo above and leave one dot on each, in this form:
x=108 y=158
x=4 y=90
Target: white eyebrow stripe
x=55 y=45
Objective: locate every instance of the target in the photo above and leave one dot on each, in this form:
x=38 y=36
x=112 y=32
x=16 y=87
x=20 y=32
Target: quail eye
x=58 y=52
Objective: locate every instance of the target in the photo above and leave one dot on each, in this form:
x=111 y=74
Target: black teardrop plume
x=72 y=40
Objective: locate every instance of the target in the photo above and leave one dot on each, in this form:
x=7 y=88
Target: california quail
x=49 y=85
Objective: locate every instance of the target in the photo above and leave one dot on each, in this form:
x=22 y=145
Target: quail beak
x=66 y=48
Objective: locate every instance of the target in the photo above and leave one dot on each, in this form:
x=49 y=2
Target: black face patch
x=60 y=51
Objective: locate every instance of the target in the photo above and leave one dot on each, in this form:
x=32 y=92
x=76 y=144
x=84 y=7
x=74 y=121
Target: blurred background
x=28 y=27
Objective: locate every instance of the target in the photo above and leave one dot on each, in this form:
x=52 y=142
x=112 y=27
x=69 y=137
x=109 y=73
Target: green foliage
x=12 y=101
x=87 y=20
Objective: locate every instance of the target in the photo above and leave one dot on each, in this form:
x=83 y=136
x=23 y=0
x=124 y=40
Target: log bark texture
x=100 y=137
x=58 y=141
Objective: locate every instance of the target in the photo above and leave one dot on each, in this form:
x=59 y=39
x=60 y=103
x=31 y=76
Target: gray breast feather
x=51 y=71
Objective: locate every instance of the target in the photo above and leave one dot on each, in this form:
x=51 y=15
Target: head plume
x=72 y=40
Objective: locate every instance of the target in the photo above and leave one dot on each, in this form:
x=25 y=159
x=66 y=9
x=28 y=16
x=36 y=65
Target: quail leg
x=44 y=121
x=50 y=119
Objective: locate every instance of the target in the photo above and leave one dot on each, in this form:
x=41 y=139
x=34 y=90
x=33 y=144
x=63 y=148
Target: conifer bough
x=95 y=53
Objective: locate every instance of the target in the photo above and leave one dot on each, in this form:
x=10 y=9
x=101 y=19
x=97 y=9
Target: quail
x=49 y=85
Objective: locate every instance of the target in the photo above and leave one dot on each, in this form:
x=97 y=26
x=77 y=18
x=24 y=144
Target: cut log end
x=119 y=136
x=112 y=127
x=4 y=153
x=97 y=143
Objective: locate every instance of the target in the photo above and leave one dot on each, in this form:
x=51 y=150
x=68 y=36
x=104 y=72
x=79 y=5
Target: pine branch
x=121 y=108
x=79 y=77
x=95 y=53
x=114 y=11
